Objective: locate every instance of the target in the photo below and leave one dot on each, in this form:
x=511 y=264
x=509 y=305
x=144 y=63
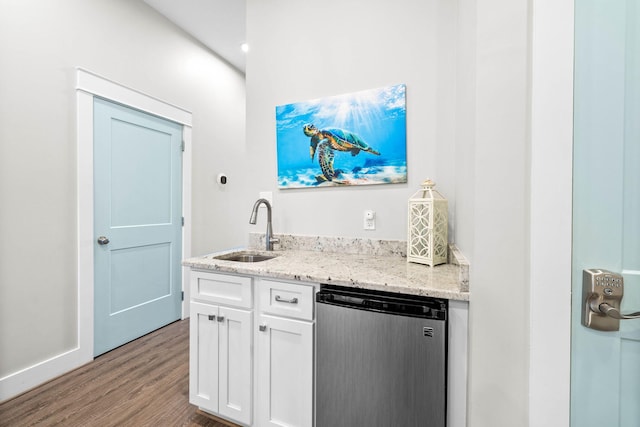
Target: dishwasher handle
x=399 y=304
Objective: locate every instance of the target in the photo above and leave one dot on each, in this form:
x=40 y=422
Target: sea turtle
x=325 y=141
x=339 y=139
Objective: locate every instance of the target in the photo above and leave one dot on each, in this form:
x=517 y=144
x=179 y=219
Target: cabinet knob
x=263 y=327
x=212 y=317
x=220 y=318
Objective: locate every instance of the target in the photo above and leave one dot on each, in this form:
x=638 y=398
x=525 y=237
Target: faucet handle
x=271 y=241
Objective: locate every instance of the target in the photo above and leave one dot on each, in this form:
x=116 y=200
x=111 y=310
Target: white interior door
x=605 y=365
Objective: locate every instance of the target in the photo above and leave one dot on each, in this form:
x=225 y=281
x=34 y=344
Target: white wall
x=301 y=50
x=499 y=255
x=126 y=41
x=467 y=69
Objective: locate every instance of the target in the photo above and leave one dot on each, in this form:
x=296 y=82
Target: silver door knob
x=102 y=240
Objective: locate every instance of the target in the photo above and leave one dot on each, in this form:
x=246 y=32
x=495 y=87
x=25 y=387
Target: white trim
x=89 y=85
x=84 y=116
x=551 y=195
x=458 y=361
x=105 y=88
x=186 y=212
x=28 y=378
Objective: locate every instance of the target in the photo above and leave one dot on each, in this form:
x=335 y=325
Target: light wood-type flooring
x=143 y=383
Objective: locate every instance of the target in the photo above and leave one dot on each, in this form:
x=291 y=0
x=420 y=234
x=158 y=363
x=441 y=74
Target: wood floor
x=143 y=383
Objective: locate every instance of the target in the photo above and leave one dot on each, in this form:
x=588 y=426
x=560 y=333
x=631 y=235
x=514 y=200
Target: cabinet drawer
x=286 y=299
x=221 y=288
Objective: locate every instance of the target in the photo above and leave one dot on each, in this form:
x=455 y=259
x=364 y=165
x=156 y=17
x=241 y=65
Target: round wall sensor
x=222 y=179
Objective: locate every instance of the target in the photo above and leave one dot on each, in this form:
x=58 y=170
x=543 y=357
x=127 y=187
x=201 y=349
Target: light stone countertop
x=386 y=272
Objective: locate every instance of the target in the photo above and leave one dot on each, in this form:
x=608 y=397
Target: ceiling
x=218 y=24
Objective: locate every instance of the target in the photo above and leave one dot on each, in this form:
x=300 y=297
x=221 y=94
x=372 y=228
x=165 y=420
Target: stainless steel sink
x=244 y=257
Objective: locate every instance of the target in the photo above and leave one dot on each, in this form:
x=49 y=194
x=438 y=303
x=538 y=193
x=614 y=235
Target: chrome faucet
x=270 y=240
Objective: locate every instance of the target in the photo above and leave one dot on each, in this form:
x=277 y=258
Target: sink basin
x=244 y=257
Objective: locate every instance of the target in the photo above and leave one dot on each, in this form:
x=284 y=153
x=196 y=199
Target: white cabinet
x=285 y=354
x=226 y=377
x=220 y=362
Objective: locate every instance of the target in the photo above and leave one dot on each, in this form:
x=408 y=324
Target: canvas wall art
x=353 y=139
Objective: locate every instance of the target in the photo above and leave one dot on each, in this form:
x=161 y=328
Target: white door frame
x=551 y=196
x=89 y=85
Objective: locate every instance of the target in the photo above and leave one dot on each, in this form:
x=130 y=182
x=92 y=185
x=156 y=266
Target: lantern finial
x=428 y=183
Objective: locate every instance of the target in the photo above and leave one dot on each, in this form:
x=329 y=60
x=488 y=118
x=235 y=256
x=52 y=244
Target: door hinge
x=182 y=145
x=182 y=296
x=183 y=221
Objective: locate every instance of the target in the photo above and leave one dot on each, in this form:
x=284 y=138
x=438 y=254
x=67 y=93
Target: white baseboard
x=18 y=382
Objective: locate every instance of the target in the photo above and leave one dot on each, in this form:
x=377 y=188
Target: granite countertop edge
x=378 y=272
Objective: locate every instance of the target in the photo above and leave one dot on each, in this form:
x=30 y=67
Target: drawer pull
x=290 y=301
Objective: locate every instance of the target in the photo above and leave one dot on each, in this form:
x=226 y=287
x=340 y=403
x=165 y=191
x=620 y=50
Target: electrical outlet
x=369 y=220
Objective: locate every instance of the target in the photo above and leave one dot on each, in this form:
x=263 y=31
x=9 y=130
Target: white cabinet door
x=235 y=364
x=220 y=360
x=203 y=356
x=285 y=372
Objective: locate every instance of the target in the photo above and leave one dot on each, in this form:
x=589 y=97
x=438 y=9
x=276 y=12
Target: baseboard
x=24 y=380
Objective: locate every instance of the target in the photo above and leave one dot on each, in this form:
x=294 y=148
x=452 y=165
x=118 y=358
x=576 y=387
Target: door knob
x=602 y=293
x=102 y=240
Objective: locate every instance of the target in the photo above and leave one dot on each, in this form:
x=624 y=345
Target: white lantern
x=427 y=240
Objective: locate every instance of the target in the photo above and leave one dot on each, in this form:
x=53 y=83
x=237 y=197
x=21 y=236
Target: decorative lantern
x=427 y=238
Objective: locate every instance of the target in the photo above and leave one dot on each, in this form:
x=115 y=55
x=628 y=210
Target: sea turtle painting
x=325 y=141
x=354 y=139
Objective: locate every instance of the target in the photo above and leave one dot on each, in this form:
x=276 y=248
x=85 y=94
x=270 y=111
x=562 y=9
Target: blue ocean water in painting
x=377 y=120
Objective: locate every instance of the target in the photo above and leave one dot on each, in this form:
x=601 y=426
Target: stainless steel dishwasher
x=381 y=359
